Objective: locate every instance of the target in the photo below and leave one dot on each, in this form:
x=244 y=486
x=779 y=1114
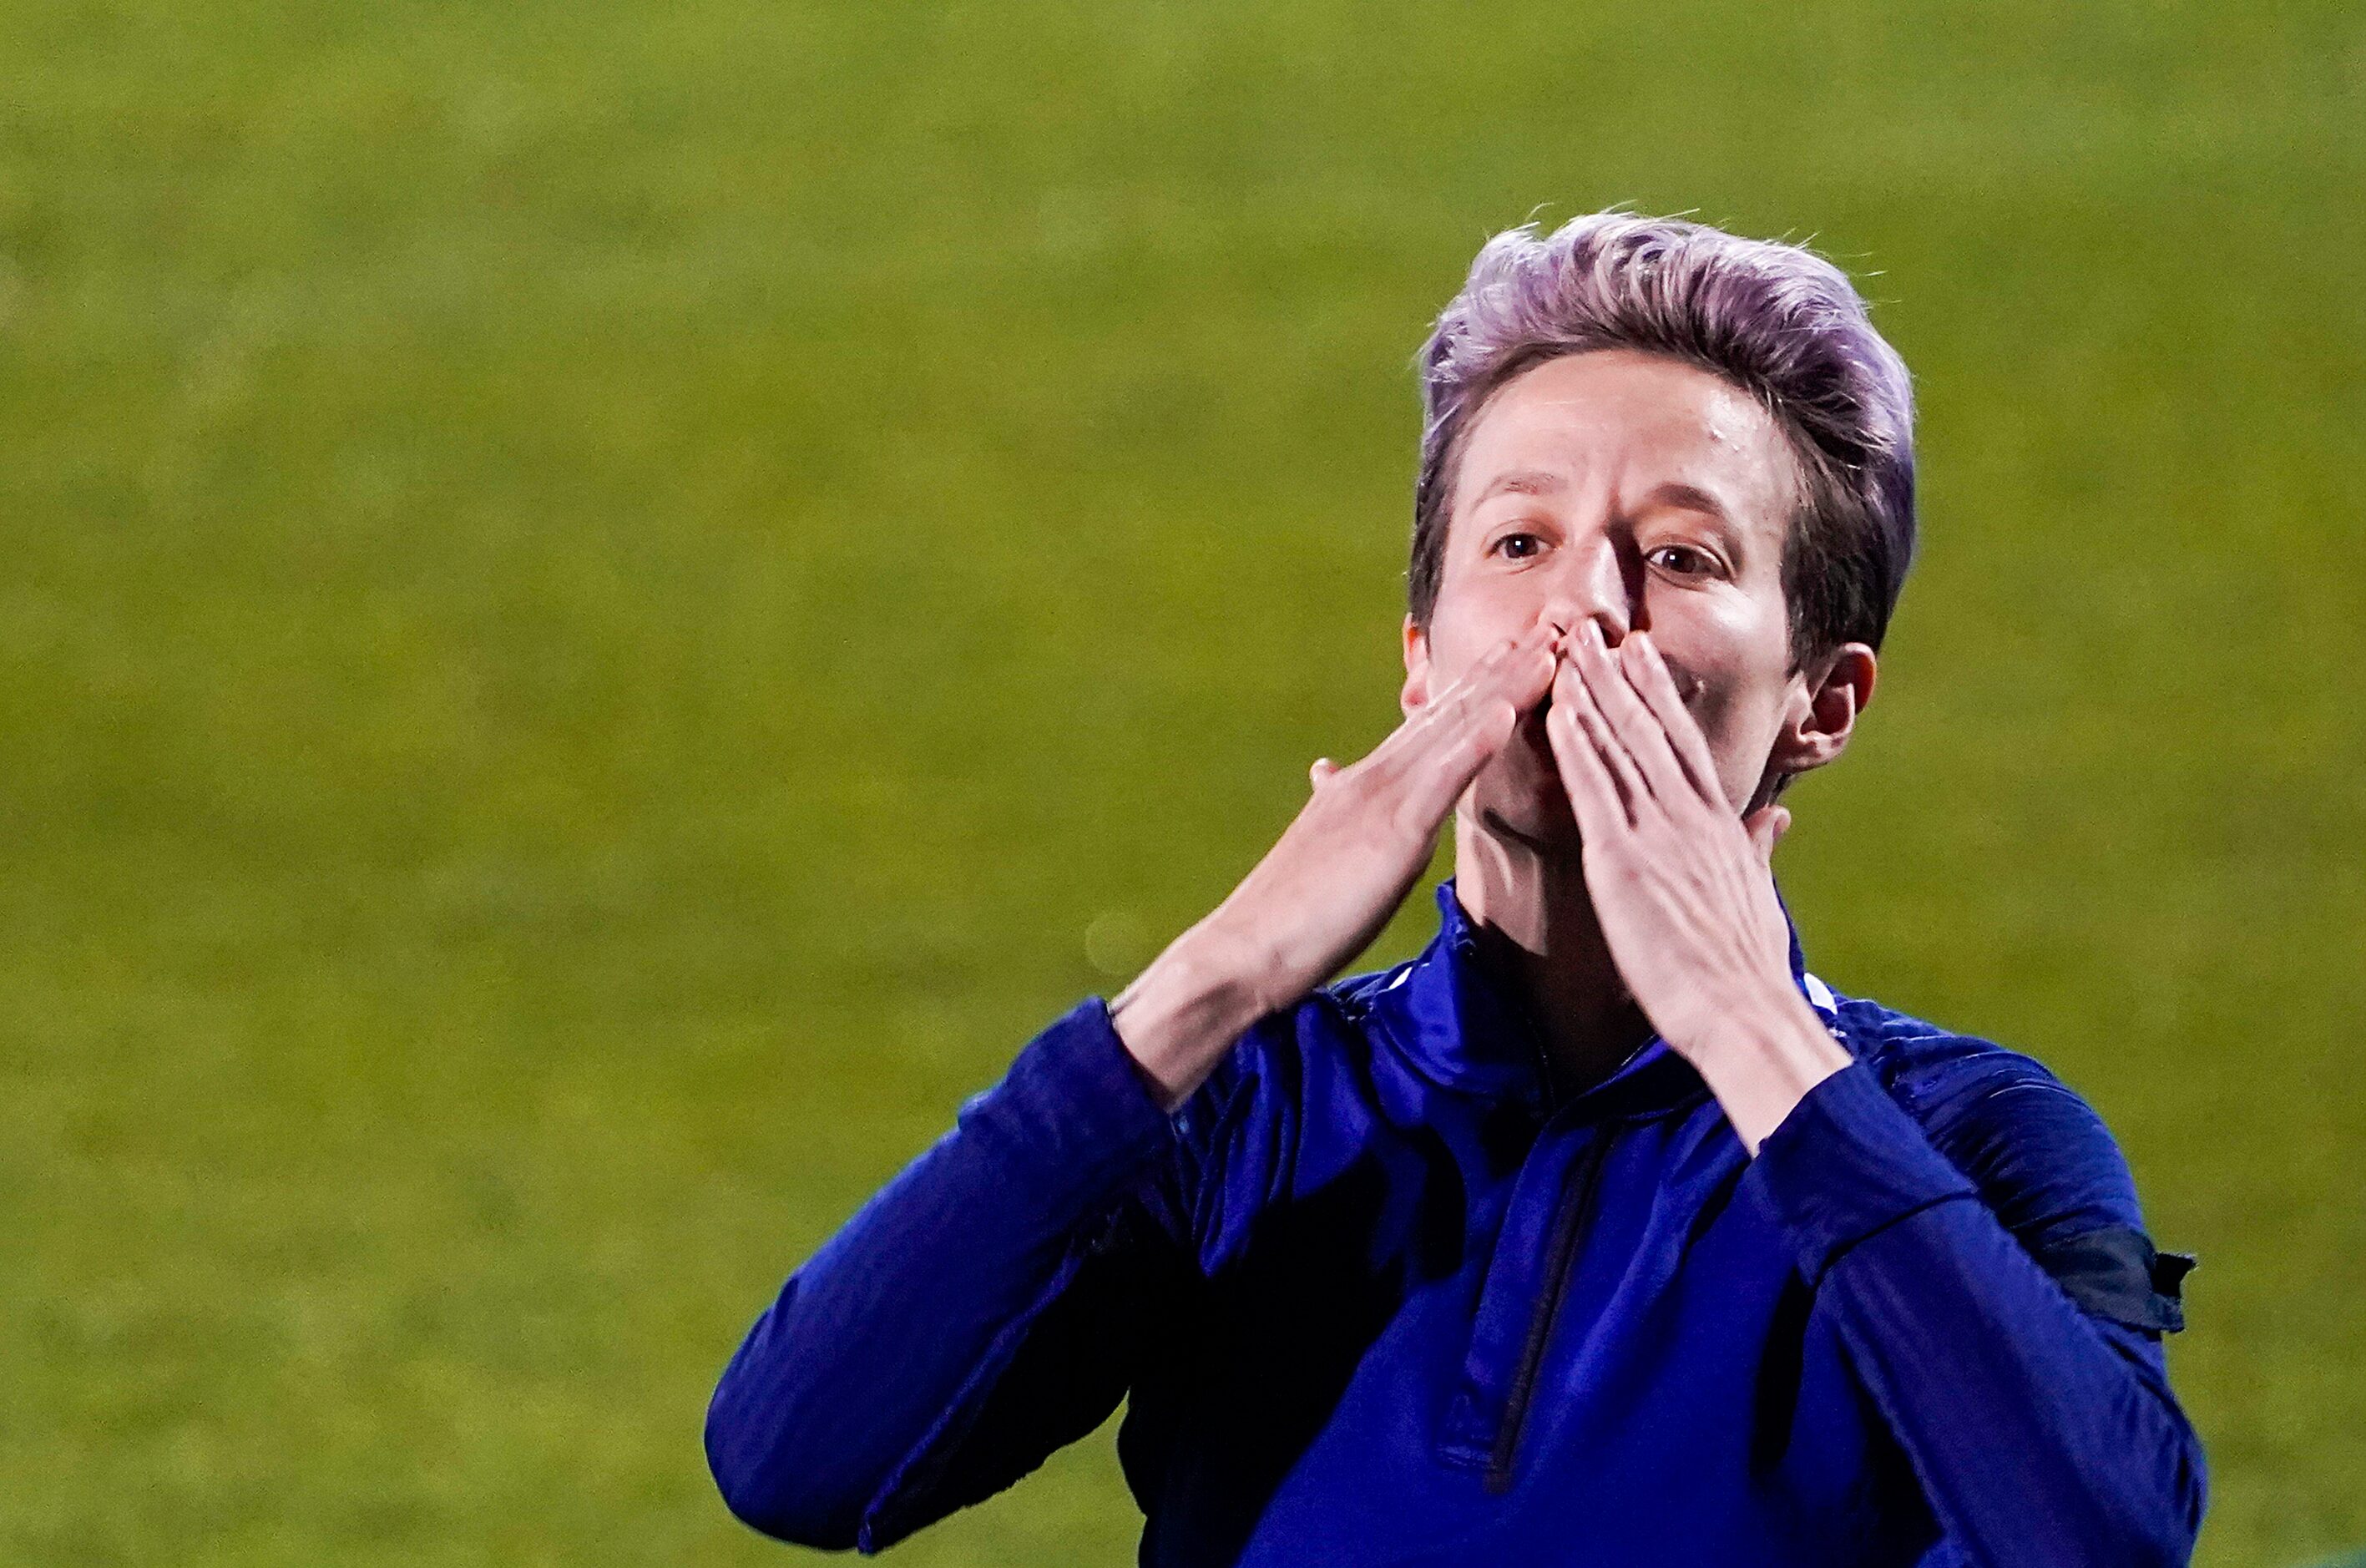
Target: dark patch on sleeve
x=2114 y=1272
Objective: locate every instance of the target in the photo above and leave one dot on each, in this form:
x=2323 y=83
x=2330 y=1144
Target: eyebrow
x=1522 y=481
x=1670 y=493
x=1544 y=481
x=1690 y=498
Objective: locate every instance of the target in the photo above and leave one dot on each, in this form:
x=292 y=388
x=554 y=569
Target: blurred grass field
x=594 y=598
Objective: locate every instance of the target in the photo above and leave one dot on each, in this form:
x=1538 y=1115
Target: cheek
x=1457 y=640
x=1476 y=612
x=1734 y=707
x=1727 y=657
x=1721 y=721
x=1712 y=695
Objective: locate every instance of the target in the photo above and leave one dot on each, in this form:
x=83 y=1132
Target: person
x=1601 y=1232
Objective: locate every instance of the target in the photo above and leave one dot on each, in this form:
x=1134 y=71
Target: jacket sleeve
x=984 y=1308
x=2003 y=1309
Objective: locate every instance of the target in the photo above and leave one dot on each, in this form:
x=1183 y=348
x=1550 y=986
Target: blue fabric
x=1374 y=1295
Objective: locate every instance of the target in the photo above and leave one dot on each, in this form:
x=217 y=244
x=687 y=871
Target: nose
x=1591 y=582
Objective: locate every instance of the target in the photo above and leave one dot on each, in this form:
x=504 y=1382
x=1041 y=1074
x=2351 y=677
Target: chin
x=1518 y=796
x=1539 y=820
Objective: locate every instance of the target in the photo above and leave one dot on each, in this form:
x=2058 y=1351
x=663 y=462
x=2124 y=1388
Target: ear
x=1825 y=704
x=1416 y=663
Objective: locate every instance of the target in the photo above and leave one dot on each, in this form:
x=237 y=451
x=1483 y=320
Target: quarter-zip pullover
x=1374 y=1294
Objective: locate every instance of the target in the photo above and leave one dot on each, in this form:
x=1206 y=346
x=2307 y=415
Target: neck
x=1535 y=924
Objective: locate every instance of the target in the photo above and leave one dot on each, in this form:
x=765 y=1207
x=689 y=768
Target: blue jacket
x=1374 y=1295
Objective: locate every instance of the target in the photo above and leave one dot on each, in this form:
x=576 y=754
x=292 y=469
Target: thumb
x=1323 y=769
x=1767 y=825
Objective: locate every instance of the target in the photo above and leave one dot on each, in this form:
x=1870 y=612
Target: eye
x=1518 y=547
x=1684 y=560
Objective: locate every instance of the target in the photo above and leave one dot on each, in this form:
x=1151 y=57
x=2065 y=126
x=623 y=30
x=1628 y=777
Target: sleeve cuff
x=1846 y=1163
x=1073 y=1115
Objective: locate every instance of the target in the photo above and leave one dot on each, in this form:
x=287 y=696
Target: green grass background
x=595 y=598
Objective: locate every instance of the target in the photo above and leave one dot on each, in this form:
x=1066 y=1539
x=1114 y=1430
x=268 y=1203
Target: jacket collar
x=1466 y=1027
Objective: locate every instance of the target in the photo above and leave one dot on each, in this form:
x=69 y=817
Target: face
x=1646 y=494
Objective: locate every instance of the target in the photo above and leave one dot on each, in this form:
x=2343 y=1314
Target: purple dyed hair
x=1777 y=320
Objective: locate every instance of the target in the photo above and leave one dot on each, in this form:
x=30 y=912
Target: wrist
x=1761 y=1058
x=1183 y=1012
x=1769 y=1016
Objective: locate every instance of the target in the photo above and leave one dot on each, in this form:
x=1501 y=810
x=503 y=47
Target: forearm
x=1330 y=884
x=2036 y=1436
x=911 y=1305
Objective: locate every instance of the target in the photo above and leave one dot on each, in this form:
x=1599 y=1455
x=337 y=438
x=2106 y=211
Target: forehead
x=1619 y=423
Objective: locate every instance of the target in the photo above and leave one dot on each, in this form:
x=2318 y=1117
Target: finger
x=1321 y=771
x=1656 y=684
x=1431 y=791
x=1609 y=674
x=1518 y=671
x=1475 y=722
x=1527 y=674
x=1429 y=760
x=1589 y=734
x=1767 y=825
x=1593 y=795
x=1637 y=727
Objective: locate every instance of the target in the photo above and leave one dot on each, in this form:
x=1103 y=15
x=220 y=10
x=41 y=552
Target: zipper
x=1567 y=1230
x=1508 y=997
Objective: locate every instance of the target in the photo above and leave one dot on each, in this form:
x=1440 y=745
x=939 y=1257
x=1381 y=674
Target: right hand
x=1338 y=872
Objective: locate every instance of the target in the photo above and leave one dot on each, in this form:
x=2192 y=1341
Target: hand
x=1337 y=874
x=1681 y=882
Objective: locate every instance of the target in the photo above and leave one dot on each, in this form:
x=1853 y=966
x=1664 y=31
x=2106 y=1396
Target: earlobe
x=1416 y=662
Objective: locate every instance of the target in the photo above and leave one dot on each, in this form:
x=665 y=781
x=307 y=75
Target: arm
x=1003 y=1249
x=2040 y=1433
x=992 y=1301
x=2042 y=1429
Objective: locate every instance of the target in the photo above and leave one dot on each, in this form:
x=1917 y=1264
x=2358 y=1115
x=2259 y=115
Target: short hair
x=1775 y=319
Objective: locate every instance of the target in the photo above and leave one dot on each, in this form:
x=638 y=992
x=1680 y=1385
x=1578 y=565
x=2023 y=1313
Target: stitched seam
x=882 y=1520
x=1832 y=1259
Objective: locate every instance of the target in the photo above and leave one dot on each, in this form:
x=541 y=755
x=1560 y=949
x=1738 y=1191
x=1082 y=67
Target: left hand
x=1681 y=882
